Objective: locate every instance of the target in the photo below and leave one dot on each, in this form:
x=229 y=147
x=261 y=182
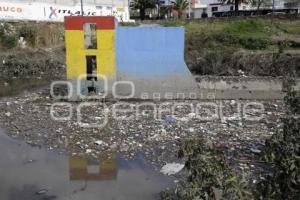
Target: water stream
x=32 y=173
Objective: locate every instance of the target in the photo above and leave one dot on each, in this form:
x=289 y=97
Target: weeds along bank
x=252 y=47
x=255 y=47
x=31 y=54
x=258 y=47
x=31 y=34
x=211 y=177
x=26 y=68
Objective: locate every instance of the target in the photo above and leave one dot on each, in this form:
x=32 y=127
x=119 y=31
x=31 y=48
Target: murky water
x=31 y=173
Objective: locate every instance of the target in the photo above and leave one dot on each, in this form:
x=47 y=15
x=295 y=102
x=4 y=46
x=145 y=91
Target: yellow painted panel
x=107 y=64
x=106 y=39
x=77 y=163
x=90 y=52
x=76 y=53
x=75 y=60
x=108 y=164
x=74 y=38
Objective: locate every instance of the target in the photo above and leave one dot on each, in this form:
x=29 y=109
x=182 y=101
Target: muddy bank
x=243 y=63
x=32 y=63
x=32 y=173
x=50 y=63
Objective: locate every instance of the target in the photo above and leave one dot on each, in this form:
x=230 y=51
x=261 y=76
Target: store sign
x=56 y=12
x=18 y=11
x=12 y=9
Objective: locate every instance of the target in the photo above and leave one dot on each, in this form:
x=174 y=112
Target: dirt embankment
x=238 y=48
x=243 y=63
x=30 y=50
x=32 y=63
x=50 y=63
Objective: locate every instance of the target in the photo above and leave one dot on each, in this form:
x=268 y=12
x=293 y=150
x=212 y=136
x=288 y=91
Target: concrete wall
x=152 y=58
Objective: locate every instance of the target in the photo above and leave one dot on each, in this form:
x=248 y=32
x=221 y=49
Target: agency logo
x=92 y=111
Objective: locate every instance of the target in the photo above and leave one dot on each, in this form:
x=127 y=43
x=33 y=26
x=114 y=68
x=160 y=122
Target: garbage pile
x=138 y=129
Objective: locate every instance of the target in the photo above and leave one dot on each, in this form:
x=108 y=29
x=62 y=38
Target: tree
x=142 y=5
x=180 y=6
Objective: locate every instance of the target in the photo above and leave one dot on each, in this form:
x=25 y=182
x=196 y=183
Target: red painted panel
x=102 y=23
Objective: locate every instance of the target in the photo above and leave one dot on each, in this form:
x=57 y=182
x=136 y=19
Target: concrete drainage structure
x=110 y=61
x=126 y=62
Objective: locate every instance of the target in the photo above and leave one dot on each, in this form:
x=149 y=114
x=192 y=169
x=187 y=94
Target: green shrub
x=253 y=43
x=6 y=29
x=7 y=36
x=282 y=152
x=29 y=33
x=2 y=31
x=225 y=38
x=209 y=175
x=9 y=41
x=249 y=34
x=292 y=101
x=282 y=45
x=247 y=27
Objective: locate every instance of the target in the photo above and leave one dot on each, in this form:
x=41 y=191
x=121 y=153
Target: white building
x=214 y=6
x=292 y=4
x=209 y=7
x=56 y=10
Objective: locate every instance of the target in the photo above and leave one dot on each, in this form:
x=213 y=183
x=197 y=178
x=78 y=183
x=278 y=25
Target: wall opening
x=90 y=35
x=91 y=71
x=91 y=67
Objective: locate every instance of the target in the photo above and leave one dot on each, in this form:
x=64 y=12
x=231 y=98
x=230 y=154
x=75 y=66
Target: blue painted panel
x=150 y=51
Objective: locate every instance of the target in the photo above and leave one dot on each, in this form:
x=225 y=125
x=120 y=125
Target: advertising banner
x=57 y=12
x=21 y=11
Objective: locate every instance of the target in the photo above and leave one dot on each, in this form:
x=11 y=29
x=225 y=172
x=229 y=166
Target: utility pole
x=81 y=5
x=189 y=9
x=273 y=7
x=112 y=6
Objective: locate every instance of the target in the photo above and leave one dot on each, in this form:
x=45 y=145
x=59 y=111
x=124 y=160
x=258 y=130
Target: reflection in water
x=26 y=170
x=26 y=193
x=85 y=169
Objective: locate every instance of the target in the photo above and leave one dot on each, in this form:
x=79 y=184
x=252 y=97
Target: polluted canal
x=33 y=173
